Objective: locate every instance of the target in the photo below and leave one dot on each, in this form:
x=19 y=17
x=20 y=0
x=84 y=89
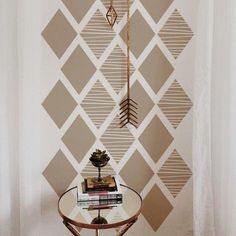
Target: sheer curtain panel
x=19 y=121
x=214 y=148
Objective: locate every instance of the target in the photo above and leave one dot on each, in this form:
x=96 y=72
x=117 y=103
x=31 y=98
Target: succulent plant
x=99 y=156
x=99 y=159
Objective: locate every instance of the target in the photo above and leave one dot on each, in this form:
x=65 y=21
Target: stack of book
x=94 y=194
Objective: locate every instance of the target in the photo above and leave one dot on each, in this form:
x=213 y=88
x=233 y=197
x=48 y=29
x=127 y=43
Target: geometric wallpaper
x=87 y=111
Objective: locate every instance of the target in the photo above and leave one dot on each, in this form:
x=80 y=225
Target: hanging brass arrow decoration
x=128 y=107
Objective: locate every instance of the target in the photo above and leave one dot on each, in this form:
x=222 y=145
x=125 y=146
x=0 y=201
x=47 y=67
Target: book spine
x=103 y=197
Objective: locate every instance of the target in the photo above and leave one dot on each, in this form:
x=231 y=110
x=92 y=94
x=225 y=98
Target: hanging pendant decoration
x=128 y=107
x=111 y=15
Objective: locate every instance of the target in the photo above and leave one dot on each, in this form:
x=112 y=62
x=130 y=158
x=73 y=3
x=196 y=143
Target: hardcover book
x=102 y=195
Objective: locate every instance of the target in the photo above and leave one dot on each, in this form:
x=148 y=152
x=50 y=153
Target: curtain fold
x=9 y=117
x=214 y=149
x=223 y=117
x=20 y=165
x=202 y=172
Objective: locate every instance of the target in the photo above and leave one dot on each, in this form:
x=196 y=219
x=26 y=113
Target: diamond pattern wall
x=84 y=102
x=98 y=34
x=78 y=138
x=78 y=69
x=156 y=207
x=139 y=44
x=156 y=69
x=114 y=69
x=59 y=34
x=59 y=173
x=98 y=104
x=176 y=34
x=156 y=139
x=116 y=140
x=175 y=104
x=119 y=5
x=129 y=173
x=145 y=103
x=59 y=104
x=156 y=8
x=78 y=9
x=175 y=173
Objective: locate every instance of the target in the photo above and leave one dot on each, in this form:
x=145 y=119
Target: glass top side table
x=121 y=216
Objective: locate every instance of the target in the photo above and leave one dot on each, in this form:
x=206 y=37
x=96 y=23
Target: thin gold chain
x=128 y=48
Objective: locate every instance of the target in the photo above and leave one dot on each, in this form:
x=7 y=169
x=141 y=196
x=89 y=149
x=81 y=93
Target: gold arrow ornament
x=128 y=107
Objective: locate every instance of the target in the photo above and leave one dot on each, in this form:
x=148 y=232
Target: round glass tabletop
x=103 y=215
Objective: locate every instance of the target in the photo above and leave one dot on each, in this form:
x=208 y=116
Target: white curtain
x=214 y=141
x=19 y=118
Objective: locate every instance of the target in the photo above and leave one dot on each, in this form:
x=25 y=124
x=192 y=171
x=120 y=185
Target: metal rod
x=128 y=48
x=128 y=106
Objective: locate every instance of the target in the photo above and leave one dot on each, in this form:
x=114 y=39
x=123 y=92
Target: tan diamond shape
x=155 y=139
x=156 y=8
x=59 y=34
x=78 y=138
x=114 y=69
x=136 y=164
x=78 y=8
x=176 y=34
x=78 y=69
x=138 y=24
x=145 y=104
x=175 y=104
x=59 y=173
x=156 y=208
x=120 y=7
x=156 y=69
x=98 y=34
x=175 y=173
x=59 y=104
x=98 y=104
x=116 y=140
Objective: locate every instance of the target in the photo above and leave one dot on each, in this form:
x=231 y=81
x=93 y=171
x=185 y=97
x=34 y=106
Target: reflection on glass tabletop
x=92 y=215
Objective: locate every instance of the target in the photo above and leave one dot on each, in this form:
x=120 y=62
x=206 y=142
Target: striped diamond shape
x=98 y=104
x=98 y=34
x=175 y=104
x=114 y=69
x=176 y=34
x=175 y=173
x=116 y=140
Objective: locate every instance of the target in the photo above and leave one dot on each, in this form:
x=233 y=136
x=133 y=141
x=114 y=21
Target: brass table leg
x=72 y=230
x=126 y=227
x=121 y=232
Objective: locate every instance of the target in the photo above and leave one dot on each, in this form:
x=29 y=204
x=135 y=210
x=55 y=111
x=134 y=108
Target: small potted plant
x=99 y=159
